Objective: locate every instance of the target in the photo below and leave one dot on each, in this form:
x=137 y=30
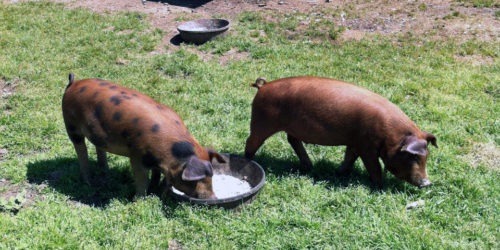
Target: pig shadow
x=324 y=171
x=63 y=175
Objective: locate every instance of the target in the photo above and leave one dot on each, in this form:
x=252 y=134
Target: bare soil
x=7 y=89
x=484 y=153
x=442 y=19
x=9 y=190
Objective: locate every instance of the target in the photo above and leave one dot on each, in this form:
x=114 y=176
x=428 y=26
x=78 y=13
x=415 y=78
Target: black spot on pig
x=134 y=95
x=136 y=120
x=149 y=160
x=178 y=122
x=155 y=128
x=127 y=97
x=103 y=83
x=139 y=134
x=117 y=116
x=82 y=89
x=159 y=107
x=112 y=87
x=182 y=150
x=98 y=111
x=125 y=134
x=123 y=92
x=95 y=94
x=115 y=99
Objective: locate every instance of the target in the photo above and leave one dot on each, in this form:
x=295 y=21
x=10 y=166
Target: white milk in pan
x=225 y=186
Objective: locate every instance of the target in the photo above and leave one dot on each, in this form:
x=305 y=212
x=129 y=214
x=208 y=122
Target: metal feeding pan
x=202 y=30
x=240 y=168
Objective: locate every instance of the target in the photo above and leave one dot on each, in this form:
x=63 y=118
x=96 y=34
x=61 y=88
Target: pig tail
x=258 y=83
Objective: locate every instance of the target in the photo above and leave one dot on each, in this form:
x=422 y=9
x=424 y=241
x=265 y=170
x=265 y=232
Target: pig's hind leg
x=259 y=133
x=298 y=147
x=78 y=141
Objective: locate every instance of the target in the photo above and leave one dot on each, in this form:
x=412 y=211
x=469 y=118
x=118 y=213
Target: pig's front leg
x=372 y=165
x=298 y=147
x=141 y=176
x=155 y=180
x=347 y=165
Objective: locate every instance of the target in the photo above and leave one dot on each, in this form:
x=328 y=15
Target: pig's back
x=119 y=116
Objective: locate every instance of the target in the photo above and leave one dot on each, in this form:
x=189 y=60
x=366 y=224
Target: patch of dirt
x=31 y=192
x=475 y=60
x=232 y=55
x=437 y=19
x=3 y=152
x=174 y=245
x=348 y=35
x=7 y=88
x=484 y=153
x=204 y=55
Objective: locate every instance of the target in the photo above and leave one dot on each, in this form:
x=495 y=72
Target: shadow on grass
x=183 y=3
x=176 y=40
x=63 y=175
x=324 y=171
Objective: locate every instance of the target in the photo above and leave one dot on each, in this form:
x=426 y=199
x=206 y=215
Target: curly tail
x=71 y=79
x=258 y=83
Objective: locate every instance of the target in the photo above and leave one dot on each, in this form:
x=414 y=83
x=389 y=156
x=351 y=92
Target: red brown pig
x=330 y=112
x=125 y=122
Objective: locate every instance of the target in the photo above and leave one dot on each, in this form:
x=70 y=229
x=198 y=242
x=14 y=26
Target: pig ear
x=213 y=154
x=196 y=169
x=431 y=138
x=415 y=146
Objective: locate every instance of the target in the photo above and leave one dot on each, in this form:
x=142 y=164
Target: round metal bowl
x=238 y=167
x=202 y=30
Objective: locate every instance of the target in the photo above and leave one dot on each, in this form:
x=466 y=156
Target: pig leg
x=155 y=180
x=83 y=158
x=299 y=149
x=256 y=139
x=102 y=162
x=141 y=176
x=78 y=141
x=372 y=165
x=348 y=163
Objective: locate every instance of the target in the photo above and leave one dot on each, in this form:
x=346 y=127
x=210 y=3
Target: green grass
x=480 y=3
x=458 y=102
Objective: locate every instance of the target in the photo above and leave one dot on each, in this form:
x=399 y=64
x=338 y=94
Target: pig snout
x=212 y=197
x=424 y=183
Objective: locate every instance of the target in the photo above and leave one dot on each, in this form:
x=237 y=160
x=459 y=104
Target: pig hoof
x=377 y=185
x=342 y=171
x=86 y=181
x=305 y=168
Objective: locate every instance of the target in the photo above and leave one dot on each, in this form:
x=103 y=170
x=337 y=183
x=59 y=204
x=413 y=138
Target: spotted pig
x=125 y=122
